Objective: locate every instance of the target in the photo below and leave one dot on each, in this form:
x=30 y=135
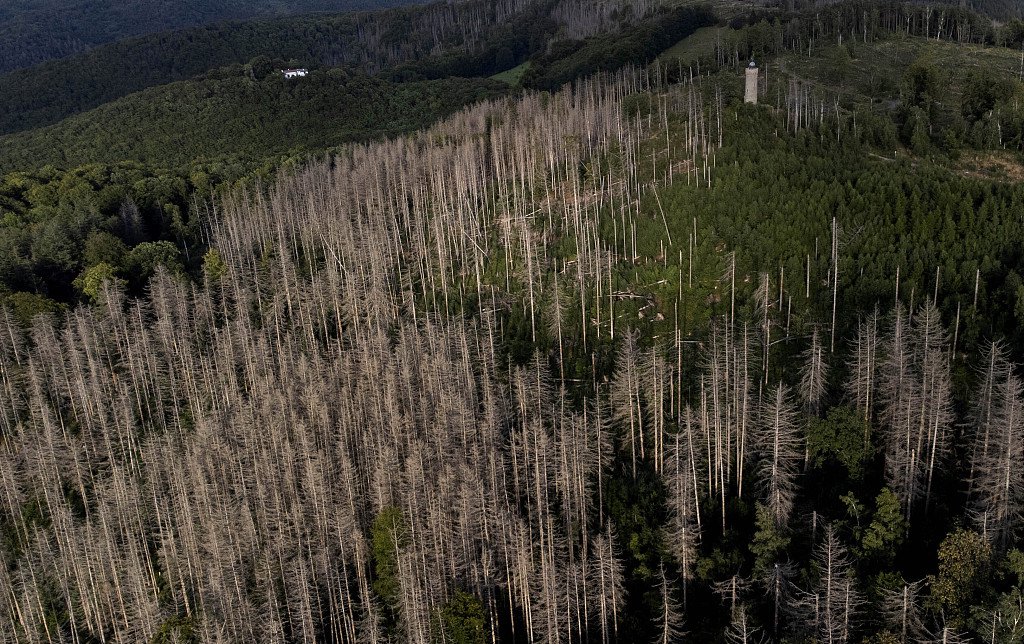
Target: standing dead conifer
x=669 y=621
x=995 y=371
x=684 y=502
x=763 y=304
x=861 y=386
x=610 y=584
x=625 y=396
x=901 y=611
x=917 y=403
x=997 y=460
x=814 y=375
x=778 y=443
x=831 y=607
x=743 y=631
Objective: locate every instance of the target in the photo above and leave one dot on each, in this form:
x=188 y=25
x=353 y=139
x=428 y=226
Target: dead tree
x=831 y=607
x=863 y=366
x=813 y=375
x=997 y=463
x=779 y=445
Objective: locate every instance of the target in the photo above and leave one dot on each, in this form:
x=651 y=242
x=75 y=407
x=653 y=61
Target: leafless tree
x=831 y=607
x=901 y=611
x=626 y=397
x=669 y=622
x=863 y=366
x=610 y=583
x=947 y=635
x=779 y=588
x=779 y=445
x=814 y=375
x=998 y=452
x=743 y=631
x=917 y=403
x=684 y=489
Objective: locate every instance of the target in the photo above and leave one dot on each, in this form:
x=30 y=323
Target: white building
x=295 y=73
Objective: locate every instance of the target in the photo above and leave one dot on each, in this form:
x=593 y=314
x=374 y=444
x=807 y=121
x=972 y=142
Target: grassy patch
x=512 y=76
x=699 y=43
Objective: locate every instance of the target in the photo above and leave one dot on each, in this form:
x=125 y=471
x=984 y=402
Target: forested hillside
x=228 y=115
x=469 y=38
x=638 y=383
x=33 y=31
x=249 y=112
x=618 y=359
x=47 y=93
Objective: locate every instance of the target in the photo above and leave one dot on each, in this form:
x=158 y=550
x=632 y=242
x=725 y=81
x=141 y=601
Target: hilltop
x=473 y=38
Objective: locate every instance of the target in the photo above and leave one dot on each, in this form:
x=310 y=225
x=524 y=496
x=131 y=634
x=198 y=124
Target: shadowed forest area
x=470 y=38
x=34 y=31
x=618 y=359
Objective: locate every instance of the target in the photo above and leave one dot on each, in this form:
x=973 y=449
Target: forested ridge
x=47 y=93
x=249 y=112
x=34 y=31
x=626 y=360
x=468 y=38
x=229 y=115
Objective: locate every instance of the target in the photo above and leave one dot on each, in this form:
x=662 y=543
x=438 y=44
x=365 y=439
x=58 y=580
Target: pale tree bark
x=998 y=461
x=814 y=375
x=625 y=397
x=831 y=607
x=863 y=366
x=669 y=621
x=779 y=444
x=901 y=611
x=743 y=631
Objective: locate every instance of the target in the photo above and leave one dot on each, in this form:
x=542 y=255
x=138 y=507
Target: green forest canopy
x=33 y=31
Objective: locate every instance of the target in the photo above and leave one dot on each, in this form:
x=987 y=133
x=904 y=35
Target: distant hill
x=34 y=31
x=46 y=93
x=227 y=115
x=468 y=38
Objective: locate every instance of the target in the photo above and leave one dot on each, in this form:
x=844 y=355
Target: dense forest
x=229 y=115
x=610 y=356
x=470 y=38
x=560 y=40
x=47 y=93
x=33 y=31
x=250 y=112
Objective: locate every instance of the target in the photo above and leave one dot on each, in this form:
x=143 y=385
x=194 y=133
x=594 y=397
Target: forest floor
x=997 y=165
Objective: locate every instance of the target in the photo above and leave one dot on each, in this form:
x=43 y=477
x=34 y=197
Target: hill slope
x=468 y=38
x=227 y=114
x=547 y=340
x=34 y=31
x=45 y=94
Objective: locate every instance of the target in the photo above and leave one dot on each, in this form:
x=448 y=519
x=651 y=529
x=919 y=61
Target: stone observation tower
x=750 y=95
